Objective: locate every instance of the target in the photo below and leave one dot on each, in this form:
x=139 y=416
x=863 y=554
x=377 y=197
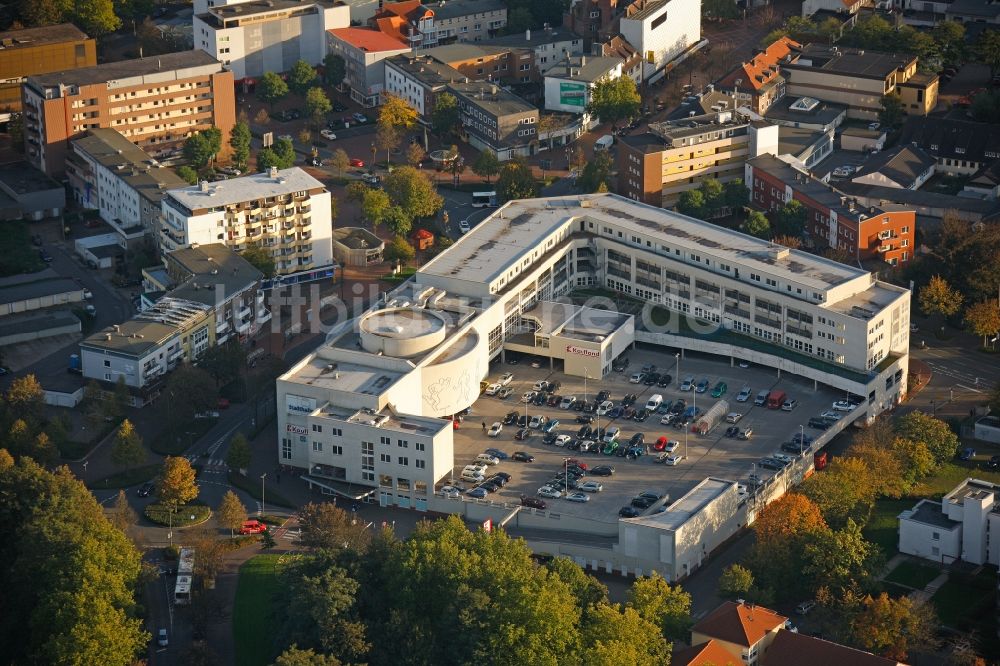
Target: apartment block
x=363 y=50
x=287 y=212
x=859 y=78
x=217 y=297
x=110 y=174
x=834 y=220
x=155 y=102
x=251 y=37
x=486 y=62
x=677 y=155
x=496 y=120
x=28 y=51
x=425 y=26
x=419 y=80
x=570 y=82
x=956 y=527
x=661 y=30
x=549 y=45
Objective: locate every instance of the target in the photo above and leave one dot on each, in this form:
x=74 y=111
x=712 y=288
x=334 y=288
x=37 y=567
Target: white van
x=611 y=434
x=604 y=142
x=654 y=402
x=605 y=407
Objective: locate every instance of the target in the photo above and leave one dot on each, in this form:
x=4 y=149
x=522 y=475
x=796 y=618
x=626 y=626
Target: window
x=286 y=449
x=385 y=440
x=107 y=364
x=336 y=432
x=402 y=443
x=420 y=446
x=936 y=536
x=419 y=464
x=317 y=428
x=403 y=460
x=317 y=446
x=385 y=457
x=337 y=450
x=658 y=21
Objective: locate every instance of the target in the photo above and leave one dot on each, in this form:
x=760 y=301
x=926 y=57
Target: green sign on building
x=573 y=94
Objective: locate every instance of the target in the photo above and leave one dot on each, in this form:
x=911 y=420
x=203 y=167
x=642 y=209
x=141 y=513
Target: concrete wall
x=56 y=328
x=64 y=399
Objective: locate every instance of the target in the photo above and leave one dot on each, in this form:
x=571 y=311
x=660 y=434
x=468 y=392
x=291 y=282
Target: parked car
x=733 y=417
x=479 y=492
x=602 y=470
x=253 y=527
x=967 y=454
x=688 y=383
x=844 y=406
x=549 y=492
x=578 y=497
x=521 y=456
x=510 y=418
x=359 y=118
x=629 y=512
x=719 y=390
x=522 y=434
x=495 y=429
x=532 y=502
x=355 y=162
x=463 y=227
x=161 y=638
x=831 y=415
x=818 y=422
x=506 y=378
x=702 y=385
x=591 y=486
x=145 y=489
x=327 y=134
x=746 y=433
x=497 y=453
x=672 y=460
x=789 y=405
x=744 y=394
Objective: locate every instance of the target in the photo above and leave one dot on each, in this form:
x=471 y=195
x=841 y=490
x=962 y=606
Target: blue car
x=551 y=425
x=615 y=412
x=497 y=453
x=477 y=493
x=967 y=454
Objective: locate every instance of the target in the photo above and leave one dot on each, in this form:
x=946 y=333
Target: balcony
x=288 y=225
x=221 y=327
x=244 y=327
x=244 y=312
x=263 y=315
x=305 y=209
x=883 y=248
x=220 y=339
x=151 y=371
x=175 y=354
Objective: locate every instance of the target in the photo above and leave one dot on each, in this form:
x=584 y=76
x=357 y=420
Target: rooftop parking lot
x=713 y=454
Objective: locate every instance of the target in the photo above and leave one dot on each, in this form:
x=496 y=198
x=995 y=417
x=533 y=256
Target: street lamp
x=677 y=356
x=262 y=493
x=371 y=167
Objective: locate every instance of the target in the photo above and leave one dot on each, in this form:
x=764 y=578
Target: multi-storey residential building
x=217 y=297
x=956 y=527
x=661 y=30
x=425 y=26
x=594 y=20
x=758 y=83
x=859 y=78
x=109 y=173
x=30 y=51
x=419 y=80
x=363 y=50
x=549 y=45
x=569 y=83
x=155 y=102
x=740 y=628
x=495 y=119
x=846 y=7
x=478 y=62
x=961 y=147
x=677 y=155
x=834 y=219
x=420 y=353
x=286 y=212
x=256 y=36
x=616 y=47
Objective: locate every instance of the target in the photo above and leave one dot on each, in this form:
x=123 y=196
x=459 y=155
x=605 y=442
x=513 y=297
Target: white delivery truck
x=604 y=142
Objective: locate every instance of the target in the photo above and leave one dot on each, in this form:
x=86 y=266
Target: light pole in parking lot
x=802 y=437
x=677 y=372
x=262 y=493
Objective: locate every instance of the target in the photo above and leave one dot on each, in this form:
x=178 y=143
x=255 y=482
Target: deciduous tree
x=397 y=221
x=396 y=112
x=516 y=181
x=340 y=161
x=388 y=138
x=374 y=206
x=983 y=319
x=845 y=489
x=486 y=165
x=691 y=203
x=933 y=432
x=840 y=559
x=445 y=116
x=588 y=590
x=187 y=174
x=597 y=173
x=891 y=114
x=412 y=190
x=988 y=50
x=231 y=512
x=127 y=450
x=399 y=249
x=202 y=147
x=666 y=606
x=757 y=224
x=937 y=297
x=260 y=258
x=296 y=656
x=894 y=627
x=614 y=100
x=43 y=450
x=735 y=582
x=25 y=398
x=122 y=515
x=620 y=635
x=239 y=141
x=176 y=482
x=317 y=105
x=239 y=454
x=790 y=219
x=326 y=526
x=301 y=77
x=271 y=88
x=334 y=69
x=415 y=154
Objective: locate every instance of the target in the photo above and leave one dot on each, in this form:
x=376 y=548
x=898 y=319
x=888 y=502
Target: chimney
x=583 y=60
x=204 y=186
x=273 y=172
x=527 y=35
x=843 y=201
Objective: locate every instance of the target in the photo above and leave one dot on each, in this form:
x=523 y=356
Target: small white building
x=568 y=83
x=287 y=212
x=363 y=50
x=681 y=538
x=661 y=30
x=956 y=527
x=252 y=37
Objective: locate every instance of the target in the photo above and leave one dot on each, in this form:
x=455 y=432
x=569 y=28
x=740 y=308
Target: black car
x=574 y=445
x=550 y=438
x=603 y=395
x=664 y=381
x=678 y=407
x=629 y=399
x=628 y=413
x=637 y=439
x=602 y=470
x=490 y=486
x=554 y=386
x=511 y=418
x=643 y=502
x=621 y=451
x=818 y=422
x=575 y=469
x=521 y=456
x=629 y=512
x=641 y=415
x=553 y=400
x=579 y=406
x=799 y=438
x=619 y=364
x=532 y=502
x=733 y=431
x=792 y=447
x=589 y=408
x=540 y=399
x=522 y=434
x=338 y=107
x=771 y=463
x=649 y=367
x=584 y=418
x=144 y=490
x=651 y=379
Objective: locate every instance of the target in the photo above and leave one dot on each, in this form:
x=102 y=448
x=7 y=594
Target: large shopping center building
x=362 y=415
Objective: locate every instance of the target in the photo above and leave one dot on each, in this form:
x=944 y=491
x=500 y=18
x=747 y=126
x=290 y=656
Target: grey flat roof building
x=111 y=72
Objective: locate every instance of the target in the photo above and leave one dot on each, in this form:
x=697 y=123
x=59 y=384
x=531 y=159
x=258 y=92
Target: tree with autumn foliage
x=176 y=483
x=983 y=319
x=894 y=627
x=783 y=529
x=844 y=490
x=938 y=297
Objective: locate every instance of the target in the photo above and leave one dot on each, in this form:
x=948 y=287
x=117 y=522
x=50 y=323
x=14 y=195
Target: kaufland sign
x=573 y=349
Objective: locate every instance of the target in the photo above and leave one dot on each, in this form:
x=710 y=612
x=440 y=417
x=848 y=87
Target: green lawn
x=252 y=620
x=128 y=477
x=17 y=254
x=950 y=475
x=895 y=591
x=913 y=574
x=960 y=603
x=883 y=527
x=189 y=514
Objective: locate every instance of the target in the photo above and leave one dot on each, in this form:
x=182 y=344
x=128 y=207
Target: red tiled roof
x=422 y=233
x=410 y=9
x=740 y=624
x=762 y=68
x=711 y=652
x=368 y=39
x=392 y=26
x=791 y=649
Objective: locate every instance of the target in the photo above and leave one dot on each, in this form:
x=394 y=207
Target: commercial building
x=758 y=83
x=834 y=220
x=109 y=173
x=661 y=30
x=859 y=78
x=548 y=45
x=286 y=212
x=568 y=83
x=425 y=26
x=961 y=147
x=421 y=351
x=28 y=51
x=419 y=80
x=355 y=246
x=956 y=527
x=27 y=193
x=494 y=119
x=217 y=298
x=251 y=37
x=682 y=537
x=744 y=629
x=807 y=113
x=677 y=155
x=155 y=102
x=363 y=50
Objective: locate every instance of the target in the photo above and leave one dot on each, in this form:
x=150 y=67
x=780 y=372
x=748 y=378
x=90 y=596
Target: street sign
x=488 y=525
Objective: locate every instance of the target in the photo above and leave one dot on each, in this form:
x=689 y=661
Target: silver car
x=591 y=487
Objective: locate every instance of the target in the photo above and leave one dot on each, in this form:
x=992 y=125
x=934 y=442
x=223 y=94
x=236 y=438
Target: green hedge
x=126 y=478
x=252 y=487
x=159 y=514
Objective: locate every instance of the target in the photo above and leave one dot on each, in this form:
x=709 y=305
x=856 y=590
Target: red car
x=661 y=444
x=253 y=527
x=357 y=163
x=573 y=461
x=223 y=403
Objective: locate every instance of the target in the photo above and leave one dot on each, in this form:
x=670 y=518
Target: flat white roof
x=500 y=242
x=687 y=506
x=343 y=376
x=245 y=188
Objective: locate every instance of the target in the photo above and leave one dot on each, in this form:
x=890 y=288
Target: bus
x=484 y=199
x=185 y=576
